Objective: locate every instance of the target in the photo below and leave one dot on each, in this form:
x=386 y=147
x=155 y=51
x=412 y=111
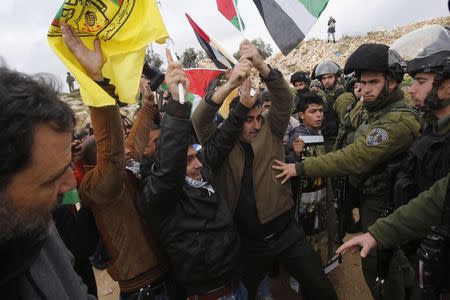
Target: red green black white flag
x=213 y=52
x=289 y=21
x=228 y=9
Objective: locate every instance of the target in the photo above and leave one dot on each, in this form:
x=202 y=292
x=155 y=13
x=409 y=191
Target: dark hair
x=234 y=102
x=264 y=96
x=306 y=99
x=26 y=101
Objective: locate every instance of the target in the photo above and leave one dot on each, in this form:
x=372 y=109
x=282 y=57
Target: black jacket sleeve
x=217 y=148
x=161 y=190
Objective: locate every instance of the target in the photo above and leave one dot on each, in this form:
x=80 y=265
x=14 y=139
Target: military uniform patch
x=376 y=137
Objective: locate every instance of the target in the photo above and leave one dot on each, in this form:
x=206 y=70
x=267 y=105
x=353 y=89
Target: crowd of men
x=189 y=207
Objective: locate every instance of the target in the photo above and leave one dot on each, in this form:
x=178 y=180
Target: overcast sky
x=24 y=23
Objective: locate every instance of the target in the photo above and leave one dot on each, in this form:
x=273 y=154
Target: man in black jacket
x=179 y=195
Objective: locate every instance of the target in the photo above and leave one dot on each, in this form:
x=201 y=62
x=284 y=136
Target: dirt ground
x=347 y=279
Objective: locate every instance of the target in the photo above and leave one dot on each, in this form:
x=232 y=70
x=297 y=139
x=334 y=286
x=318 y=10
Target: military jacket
x=414 y=220
x=330 y=118
x=343 y=105
x=381 y=138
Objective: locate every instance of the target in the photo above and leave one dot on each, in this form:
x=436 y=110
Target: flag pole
x=216 y=44
x=169 y=46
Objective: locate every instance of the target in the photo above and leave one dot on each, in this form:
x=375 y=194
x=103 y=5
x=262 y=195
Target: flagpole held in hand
x=169 y=46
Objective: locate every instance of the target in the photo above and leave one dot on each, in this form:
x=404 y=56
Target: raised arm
x=203 y=116
x=105 y=181
x=138 y=137
x=217 y=148
x=280 y=93
x=159 y=190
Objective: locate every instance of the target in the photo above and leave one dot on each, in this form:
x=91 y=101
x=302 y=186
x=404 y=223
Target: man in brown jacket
x=109 y=188
x=261 y=205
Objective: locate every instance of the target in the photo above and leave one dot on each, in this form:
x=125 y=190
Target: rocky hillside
x=311 y=52
x=305 y=57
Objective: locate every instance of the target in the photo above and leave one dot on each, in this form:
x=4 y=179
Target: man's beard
x=16 y=224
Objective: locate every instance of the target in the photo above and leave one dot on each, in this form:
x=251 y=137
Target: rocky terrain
x=304 y=57
x=311 y=52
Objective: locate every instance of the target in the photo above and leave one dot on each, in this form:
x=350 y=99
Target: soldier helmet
x=327 y=67
x=425 y=49
x=373 y=57
x=349 y=81
x=300 y=76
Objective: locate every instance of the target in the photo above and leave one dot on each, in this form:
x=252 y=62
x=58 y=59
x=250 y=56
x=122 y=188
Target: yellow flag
x=124 y=27
x=224 y=109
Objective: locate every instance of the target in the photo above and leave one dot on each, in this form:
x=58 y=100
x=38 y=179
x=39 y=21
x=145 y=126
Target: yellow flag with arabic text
x=124 y=28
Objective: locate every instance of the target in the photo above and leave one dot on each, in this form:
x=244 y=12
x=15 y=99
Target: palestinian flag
x=228 y=9
x=289 y=21
x=201 y=81
x=213 y=52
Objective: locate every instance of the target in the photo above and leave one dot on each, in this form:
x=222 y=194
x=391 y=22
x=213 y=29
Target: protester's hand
x=299 y=146
x=90 y=60
x=249 y=51
x=246 y=98
x=364 y=241
x=175 y=75
x=76 y=147
x=146 y=92
x=287 y=170
x=240 y=72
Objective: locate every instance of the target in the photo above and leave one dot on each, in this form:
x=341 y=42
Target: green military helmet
x=300 y=76
x=349 y=82
x=326 y=67
x=425 y=50
x=374 y=57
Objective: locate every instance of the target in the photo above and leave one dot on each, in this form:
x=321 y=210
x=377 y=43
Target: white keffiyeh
x=199 y=184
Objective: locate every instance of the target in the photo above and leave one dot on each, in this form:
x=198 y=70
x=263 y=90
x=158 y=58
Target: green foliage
x=190 y=58
x=264 y=49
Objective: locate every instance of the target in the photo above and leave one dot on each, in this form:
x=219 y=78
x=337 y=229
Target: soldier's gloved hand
x=365 y=242
x=287 y=170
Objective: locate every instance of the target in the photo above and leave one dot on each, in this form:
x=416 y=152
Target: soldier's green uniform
x=387 y=134
x=343 y=105
x=330 y=122
x=413 y=220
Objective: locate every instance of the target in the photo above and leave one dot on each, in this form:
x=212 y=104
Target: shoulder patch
x=377 y=136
